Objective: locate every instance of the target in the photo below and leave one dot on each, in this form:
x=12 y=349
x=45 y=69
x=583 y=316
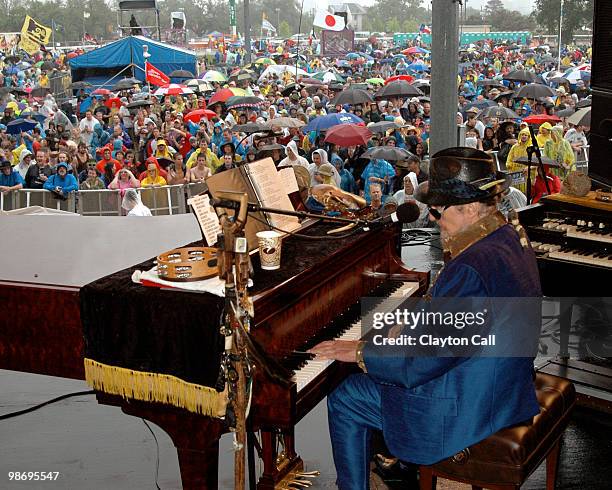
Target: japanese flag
x=325 y=20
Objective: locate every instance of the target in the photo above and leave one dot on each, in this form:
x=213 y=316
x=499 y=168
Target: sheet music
x=208 y=219
x=272 y=192
x=288 y=179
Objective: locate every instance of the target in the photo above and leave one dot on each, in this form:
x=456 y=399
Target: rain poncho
x=150 y=181
x=517 y=151
x=313 y=167
x=99 y=137
x=347 y=181
x=543 y=138
x=132 y=203
x=560 y=150
x=293 y=156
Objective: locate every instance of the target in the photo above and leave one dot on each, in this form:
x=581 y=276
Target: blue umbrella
x=37 y=116
x=352 y=56
x=11 y=70
x=19 y=125
x=342 y=63
x=324 y=122
x=416 y=66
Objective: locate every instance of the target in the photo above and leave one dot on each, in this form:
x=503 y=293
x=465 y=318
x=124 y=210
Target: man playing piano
x=429 y=408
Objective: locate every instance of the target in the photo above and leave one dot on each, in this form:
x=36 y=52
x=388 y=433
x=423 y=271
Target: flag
x=33 y=35
x=155 y=76
x=325 y=20
x=423 y=29
x=267 y=25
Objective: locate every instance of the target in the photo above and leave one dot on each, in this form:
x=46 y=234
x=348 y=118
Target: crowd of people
x=129 y=138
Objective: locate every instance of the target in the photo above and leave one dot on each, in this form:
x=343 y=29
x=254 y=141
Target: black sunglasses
x=437 y=214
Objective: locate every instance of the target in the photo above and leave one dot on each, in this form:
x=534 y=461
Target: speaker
x=601 y=68
x=600 y=134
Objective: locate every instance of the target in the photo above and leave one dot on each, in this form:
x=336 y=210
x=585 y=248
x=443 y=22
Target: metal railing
x=164 y=200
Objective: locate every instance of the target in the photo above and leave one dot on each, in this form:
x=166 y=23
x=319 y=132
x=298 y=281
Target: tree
x=384 y=12
x=284 y=29
x=493 y=6
x=506 y=20
x=576 y=14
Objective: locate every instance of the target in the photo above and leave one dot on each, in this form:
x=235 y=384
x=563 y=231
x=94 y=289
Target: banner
x=337 y=44
x=266 y=25
x=232 y=12
x=178 y=20
x=155 y=76
x=33 y=35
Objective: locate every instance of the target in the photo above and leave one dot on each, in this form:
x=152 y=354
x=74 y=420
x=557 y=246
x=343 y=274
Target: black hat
x=4 y=163
x=459 y=176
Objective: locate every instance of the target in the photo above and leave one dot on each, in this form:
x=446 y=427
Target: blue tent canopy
x=112 y=58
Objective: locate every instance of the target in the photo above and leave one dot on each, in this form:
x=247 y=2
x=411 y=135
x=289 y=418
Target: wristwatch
x=359 y=356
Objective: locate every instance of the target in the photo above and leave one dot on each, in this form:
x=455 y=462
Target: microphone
x=534 y=143
x=407 y=212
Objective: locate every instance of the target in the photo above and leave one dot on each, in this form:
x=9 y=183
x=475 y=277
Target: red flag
x=155 y=76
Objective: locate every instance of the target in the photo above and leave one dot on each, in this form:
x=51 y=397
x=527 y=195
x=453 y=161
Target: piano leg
x=195 y=437
x=278 y=467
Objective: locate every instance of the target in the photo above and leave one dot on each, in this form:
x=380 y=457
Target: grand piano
x=315 y=296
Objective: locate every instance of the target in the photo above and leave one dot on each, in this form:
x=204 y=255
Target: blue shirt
x=12 y=179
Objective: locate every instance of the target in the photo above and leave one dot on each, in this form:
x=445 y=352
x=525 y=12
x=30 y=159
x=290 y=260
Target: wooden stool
x=505 y=460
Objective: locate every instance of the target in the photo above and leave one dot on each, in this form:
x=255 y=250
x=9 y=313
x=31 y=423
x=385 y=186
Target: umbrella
x=80 y=85
x=180 y=74
x=12 y=59
x=126 y=84
x=101 y=91
x=23 y=65
x=575 y=75
x=40 y=91
x=36 y=116
x=19 y=125
x=490 y=83
x=199 y=85
x=139 y=103
x=382 y=126
x=113 y=102
x=415 y=50
x=283 y=122
x=557 y=80
x=18 y=91
x=173 y=89
x=418 y=66
x=507 y=93
x=348 y=135
x=521 y=76
x=48 y=65
x=376 y=81
x=584 y=103
x=224 y=94
x=310 y=81
x=264 y=61
x=242 y=74
x=352 y=56
x=582 y=117
x=328 y=77
x=322 y=123
x=398 y=88
x=535 y=91
x=406 y=78
x=352 y=97
x=541 y=119
x=565 y=112
x=250 y=128
x=199 y=114
x=213 y=76
x=390 y=153
x=243 y=101
x=480 y=104
x=498 y=112
x=289 y=89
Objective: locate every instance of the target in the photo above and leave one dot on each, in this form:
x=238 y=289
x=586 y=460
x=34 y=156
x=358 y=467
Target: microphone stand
x=531 y=150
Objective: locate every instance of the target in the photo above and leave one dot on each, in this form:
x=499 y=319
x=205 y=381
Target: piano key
x=586 y=233
x=314 y=367
x=583 y=257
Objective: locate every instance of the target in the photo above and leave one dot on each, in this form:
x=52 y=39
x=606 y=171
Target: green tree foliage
x=493 y=6
x=395 y=16
x=284 y=29
x=576 y=14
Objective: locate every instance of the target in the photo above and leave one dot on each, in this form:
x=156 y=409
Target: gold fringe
x=155 y=387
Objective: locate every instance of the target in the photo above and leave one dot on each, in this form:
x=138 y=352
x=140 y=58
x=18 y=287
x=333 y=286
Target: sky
x=524 y=6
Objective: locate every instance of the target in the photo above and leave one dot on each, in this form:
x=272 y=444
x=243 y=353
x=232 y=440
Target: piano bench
x=505 y=460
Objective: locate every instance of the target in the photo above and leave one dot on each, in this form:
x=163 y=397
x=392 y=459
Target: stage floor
x=98 y=447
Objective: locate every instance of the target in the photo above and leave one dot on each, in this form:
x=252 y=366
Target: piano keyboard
x=561 y=252
x=585 y=230
x=312 y=368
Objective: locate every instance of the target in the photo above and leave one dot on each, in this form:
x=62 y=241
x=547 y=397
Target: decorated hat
x=461 y=175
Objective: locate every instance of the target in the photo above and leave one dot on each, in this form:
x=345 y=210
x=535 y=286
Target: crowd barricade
x=24 y=198
x=582 y=162
x=102 y=202
x=165 y=200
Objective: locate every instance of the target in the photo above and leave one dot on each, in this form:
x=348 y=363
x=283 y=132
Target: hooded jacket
x=67 y=184
x=292 y=156
x=312 y=168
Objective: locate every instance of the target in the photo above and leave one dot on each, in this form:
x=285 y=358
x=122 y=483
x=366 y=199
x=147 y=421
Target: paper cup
x=269 y=249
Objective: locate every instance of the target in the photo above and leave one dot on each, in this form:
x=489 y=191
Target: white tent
x=280 y=69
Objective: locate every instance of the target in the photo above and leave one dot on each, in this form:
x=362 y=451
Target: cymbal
x=534 y=161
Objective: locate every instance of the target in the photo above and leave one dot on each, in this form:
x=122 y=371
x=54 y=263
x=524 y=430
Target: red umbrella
x=221 y=96
x=101 y=91
x=114 y=102
x=413 y=50
x=348 y=135
x=406 y=78
x=541 y=119
x=72 y=55
x=195 y=116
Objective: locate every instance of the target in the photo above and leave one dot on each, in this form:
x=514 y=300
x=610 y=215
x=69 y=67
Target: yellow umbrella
x=264 y=61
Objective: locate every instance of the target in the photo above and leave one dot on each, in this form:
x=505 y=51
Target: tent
x=104 y=66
